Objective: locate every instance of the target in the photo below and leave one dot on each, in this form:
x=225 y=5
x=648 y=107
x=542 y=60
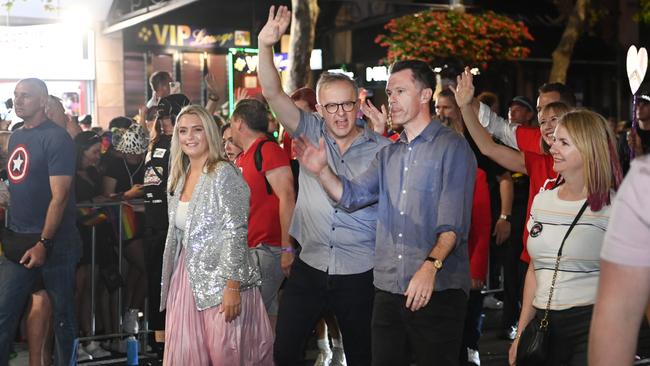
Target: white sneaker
x=82 y=355
x=338 y=357
x=473 y=357
x=96 y=350
x=492 y=302
x=324 y=358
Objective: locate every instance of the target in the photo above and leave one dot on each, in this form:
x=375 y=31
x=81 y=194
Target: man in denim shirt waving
x=424 y=185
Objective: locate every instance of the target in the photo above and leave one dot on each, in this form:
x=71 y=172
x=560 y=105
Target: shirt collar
x=428 y=133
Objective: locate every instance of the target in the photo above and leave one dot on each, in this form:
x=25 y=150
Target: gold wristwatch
x=437 y=263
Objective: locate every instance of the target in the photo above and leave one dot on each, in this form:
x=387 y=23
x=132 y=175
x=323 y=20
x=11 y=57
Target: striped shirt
x=577 y=279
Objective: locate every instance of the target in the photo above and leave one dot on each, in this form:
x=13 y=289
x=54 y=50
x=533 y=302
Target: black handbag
x=532 y=349
x=14 y=245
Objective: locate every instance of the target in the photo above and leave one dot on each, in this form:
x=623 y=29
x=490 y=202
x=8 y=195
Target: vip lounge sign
x=175 y=35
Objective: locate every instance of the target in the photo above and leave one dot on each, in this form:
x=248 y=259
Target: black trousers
x=308 y=294
x=514 y=270
x=473 y=324
x=433 y=333
x=568 y=335
x=155 y=246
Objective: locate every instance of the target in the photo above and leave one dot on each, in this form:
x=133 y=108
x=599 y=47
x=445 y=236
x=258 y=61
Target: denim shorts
x=267 y=258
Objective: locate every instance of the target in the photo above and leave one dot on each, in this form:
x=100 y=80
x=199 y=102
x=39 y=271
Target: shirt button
x=331 y=247
x=406 y=169
x=410 y=148
x=404 y=191
x=336 y=211
x=399 y=256
x=342 y=161
x=401 y=212
x=333 y=229
x=400 y=235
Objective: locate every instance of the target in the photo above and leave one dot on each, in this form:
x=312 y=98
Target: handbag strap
x=544 y=322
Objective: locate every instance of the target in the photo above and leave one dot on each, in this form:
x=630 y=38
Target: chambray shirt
x=424 y=187
x=333 y=240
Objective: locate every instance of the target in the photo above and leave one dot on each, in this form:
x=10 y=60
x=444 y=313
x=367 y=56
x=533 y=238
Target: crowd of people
x=373 y=234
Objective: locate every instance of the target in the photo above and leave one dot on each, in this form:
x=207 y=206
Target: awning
x=120 y=21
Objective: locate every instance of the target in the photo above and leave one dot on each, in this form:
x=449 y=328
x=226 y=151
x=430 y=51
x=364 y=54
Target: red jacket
x=479 y=232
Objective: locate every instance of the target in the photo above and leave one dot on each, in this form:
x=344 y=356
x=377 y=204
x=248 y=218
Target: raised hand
x=241 y=94
x=275 y=26
x=464 y=91
x=378 y=118
x=311 y=157
x=211 y=85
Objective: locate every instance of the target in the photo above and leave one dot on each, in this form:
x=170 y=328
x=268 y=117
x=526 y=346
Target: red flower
x=473 y=38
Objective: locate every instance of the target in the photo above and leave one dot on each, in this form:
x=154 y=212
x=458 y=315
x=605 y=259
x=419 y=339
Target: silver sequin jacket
x=215 y=240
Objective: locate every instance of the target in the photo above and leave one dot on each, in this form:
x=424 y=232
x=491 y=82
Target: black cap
x=85 y=139
x=522 y=101
x=644 y=96
x=86 y=120
x=171 y=105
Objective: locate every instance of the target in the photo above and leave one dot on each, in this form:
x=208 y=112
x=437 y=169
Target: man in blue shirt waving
x=424 y=185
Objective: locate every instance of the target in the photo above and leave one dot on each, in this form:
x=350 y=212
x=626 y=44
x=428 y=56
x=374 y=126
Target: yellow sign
x=185 y=36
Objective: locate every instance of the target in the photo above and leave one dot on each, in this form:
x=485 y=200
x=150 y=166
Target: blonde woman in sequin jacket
x=215 y=313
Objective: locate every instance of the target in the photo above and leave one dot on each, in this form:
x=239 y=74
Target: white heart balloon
x=636 y=65
x=643 y=62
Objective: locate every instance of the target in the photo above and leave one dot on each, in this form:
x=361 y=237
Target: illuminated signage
x=248 y=63
x=178 y=35
x=377 y=73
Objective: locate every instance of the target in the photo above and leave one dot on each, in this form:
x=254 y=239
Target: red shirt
x=478 y=243
x=539 y=167
x=264 y=218
x=287 y=144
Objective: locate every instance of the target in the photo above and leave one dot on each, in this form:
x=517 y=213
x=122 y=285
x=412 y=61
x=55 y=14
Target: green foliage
x=643 y=15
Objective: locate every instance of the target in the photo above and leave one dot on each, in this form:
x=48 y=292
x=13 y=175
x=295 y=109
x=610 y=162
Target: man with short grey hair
x=334 y=269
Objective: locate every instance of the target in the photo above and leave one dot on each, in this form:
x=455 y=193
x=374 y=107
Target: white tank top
x=181 y=215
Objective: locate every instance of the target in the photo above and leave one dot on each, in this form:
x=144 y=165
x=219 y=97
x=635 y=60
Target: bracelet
x=287 y=250
x=231 y=288
x=213 y=98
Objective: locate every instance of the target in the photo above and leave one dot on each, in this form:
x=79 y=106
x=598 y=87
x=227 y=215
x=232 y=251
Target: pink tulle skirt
x=200 y=338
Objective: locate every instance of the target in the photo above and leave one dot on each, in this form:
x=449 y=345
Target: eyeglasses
x=334 y=107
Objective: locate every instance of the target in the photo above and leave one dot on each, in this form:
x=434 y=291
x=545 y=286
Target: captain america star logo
x=18 y=164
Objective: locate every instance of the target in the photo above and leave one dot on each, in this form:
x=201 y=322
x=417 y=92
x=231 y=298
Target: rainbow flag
x=129 y=222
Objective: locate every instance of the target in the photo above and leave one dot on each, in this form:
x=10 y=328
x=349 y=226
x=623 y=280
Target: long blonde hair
x=596 y=143
x=179 y=161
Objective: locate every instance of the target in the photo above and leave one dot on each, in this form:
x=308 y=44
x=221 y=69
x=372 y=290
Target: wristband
x=287 y=250
x=47 y=243
x=231 y=289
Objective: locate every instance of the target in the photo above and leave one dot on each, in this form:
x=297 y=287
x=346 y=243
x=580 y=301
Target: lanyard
x=131 y=175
